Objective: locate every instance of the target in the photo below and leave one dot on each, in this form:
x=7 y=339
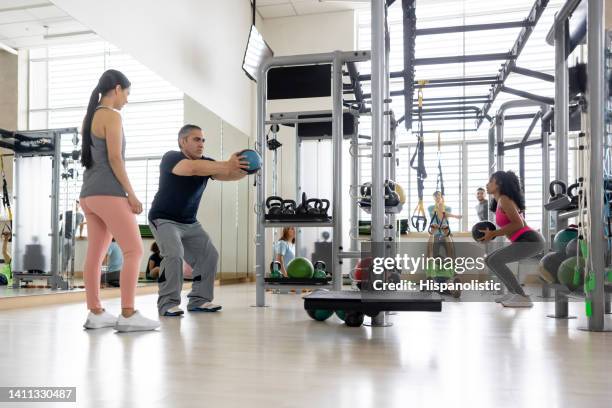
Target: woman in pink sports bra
x=509 y=206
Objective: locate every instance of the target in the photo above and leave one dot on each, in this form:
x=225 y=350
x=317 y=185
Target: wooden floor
x=470 y=355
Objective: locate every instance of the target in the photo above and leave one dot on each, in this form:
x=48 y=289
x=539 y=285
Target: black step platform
x=374 y=302
x=298 y=281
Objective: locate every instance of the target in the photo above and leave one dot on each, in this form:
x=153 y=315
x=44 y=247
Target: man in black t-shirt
x=183 y=176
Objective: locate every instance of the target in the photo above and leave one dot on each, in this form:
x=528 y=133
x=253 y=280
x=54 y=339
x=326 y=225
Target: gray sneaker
x=502 y=298
x=135 y=322
x=518 y=301
x=99 y=321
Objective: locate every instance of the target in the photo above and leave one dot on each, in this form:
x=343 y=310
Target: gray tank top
x=99 y=179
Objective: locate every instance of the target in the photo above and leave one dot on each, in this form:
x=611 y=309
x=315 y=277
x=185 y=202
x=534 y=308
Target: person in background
x=439 y=227
x=153 y=263
x=284 y=248
x=113 y=262
x=80 y=220
x=5 y=270
x=68 y=229
x=482 y=208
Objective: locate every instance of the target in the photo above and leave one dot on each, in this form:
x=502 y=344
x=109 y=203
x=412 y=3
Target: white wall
x=197 y=45
x=316 y=33
x=312 y=33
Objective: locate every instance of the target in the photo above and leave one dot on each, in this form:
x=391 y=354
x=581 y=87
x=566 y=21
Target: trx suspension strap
x=440 y=179
x=419 y=219
x=441 y=223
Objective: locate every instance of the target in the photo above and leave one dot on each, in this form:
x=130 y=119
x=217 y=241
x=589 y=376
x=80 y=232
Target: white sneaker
x=135 y=322
x=500 y=299
x=99 y=321
x=518 y=301
x=206 y=307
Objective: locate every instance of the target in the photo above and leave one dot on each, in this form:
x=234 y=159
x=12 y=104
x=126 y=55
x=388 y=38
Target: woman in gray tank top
x=110 y=204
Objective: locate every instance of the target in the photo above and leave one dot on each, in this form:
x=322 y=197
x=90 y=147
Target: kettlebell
x=324 y=206
x=302 y=209
x=572 y=193
x=315 y=208
x=558 y=201
x=391 y=197
x=320 y=270
x=288 y=207
x=275 y=270
x=274 y=204
x=366 y=190
x=553 y=192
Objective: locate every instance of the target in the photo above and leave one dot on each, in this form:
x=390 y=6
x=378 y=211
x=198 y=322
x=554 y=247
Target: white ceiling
x=27 y=23
x=286 y=8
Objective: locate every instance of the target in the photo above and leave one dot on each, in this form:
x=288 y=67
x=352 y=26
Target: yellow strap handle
x=421 y=83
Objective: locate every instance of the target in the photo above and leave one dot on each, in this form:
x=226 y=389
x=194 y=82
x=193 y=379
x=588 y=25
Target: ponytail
x=86 y=160
x=107 y=82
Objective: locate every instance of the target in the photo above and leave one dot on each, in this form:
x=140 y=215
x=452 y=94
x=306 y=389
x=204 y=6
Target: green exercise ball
x=320 y=315
x=566 y=273
x=300 y=268
x=563 y=237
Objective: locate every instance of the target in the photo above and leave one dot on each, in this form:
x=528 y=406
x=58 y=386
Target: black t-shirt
x=178 y=197
x=156 y=258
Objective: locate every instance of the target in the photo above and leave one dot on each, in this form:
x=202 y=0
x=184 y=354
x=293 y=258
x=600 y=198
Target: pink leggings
x=109 y=217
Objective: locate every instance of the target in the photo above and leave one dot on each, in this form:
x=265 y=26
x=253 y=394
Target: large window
x=464 y=155
x=60 y=83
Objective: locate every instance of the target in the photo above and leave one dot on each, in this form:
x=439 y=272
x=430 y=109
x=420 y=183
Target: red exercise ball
x=361 y=269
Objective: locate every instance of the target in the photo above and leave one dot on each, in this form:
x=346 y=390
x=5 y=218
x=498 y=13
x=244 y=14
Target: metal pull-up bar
x=460 y=59
x=473 y=27
x=534 y=74
x=528 y=95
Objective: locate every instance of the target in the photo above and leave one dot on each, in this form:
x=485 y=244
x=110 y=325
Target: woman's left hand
x=488 y=235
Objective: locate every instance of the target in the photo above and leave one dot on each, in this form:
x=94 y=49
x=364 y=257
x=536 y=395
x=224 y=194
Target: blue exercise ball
x=254 y=160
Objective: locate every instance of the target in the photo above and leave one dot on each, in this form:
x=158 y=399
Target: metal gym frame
x=383 y=122
x=28 y=145
x=337 y=59
x=382 y=119
x=456 y=106
x=598 y=120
